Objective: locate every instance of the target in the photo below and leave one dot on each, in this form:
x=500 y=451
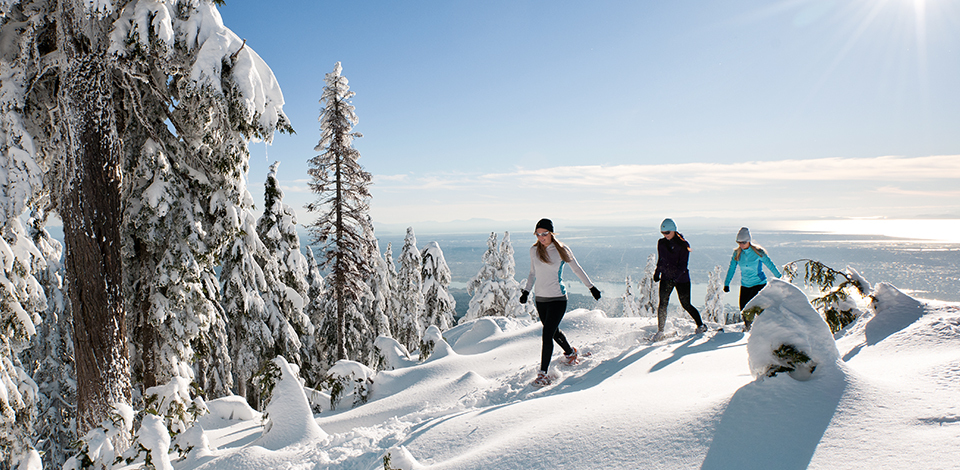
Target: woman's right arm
x=533 y=272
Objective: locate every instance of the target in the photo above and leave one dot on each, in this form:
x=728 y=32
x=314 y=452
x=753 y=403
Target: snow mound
x=401 y=459
x=154 y=436
x=393 y=355
x=477 y=331
x=232 y=408
x=895 y=311
x=789 y=320
x=435 y=347
x=349 y=379
x=290 y=418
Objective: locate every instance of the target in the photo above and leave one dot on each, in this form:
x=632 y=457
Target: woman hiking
x=673 y=252
x=547 y=258
x=751 y=259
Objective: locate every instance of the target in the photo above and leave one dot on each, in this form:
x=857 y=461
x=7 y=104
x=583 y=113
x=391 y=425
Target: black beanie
x=545 y=223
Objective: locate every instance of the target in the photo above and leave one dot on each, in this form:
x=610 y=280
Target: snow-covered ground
x=886 y=396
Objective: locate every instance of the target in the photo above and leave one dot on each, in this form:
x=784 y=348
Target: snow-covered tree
x=631 y=304
x=342 y=229
x=407 y=326
x=649 y=290
x=285 y=269
x=311 y=370
x=377 y=306
x=51 y=357
x=101 y=86
x=713 y=309
x=438 y=305
x=512 y=289
x=495 y=290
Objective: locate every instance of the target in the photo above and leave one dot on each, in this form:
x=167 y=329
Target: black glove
x=523 y=296
x=595 y=292
x=656 y=277
x=726 y=288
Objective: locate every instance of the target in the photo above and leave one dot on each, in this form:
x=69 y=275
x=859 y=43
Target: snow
x=884 y=395
x=788 y=319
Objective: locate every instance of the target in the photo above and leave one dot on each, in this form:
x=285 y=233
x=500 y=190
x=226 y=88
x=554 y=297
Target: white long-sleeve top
x=549 y=276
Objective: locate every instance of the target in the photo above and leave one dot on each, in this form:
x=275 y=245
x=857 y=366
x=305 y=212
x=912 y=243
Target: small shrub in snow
x=834 y=302
x=96 y=448
x=793 y=361
x=348 y=379
x=265 y=379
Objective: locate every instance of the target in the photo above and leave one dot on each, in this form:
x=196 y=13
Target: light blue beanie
x=668 y=226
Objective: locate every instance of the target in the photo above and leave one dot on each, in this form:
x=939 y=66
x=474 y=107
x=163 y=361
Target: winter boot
x=571 y=359
x=542 y=379
x=701 y=329
x=657 y=337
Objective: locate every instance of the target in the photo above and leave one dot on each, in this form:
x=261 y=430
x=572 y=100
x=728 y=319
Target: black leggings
x=550 y=315
x=748 y=293
x=683 y=292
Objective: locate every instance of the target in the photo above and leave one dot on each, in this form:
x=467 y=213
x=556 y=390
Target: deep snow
x=887 y=396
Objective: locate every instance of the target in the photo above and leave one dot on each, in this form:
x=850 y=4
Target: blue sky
x=625 y=112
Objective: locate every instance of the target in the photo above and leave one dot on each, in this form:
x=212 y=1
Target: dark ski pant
x=683 y=292
x=550 y=315
x=747 y=294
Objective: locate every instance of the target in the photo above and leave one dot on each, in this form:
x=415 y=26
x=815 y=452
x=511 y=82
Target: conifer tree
x=649 y=290
x=343 y=229
x=311 y=370
x=284 y=268
x=381 y=296
x=713 y=309
x=439 y=305
x=409 y=322
x=631 y=306
x=104 y=89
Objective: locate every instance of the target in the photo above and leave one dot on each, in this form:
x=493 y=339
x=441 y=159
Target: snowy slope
x=892 y=400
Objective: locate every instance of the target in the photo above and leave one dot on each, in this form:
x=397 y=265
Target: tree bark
x=91 y=223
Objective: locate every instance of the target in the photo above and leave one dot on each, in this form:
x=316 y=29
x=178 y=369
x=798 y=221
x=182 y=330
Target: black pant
x=683 y=292
x=550 y=315
x=746 y=294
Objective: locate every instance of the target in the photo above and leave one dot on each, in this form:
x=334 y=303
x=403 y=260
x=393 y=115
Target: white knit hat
x=743 y=235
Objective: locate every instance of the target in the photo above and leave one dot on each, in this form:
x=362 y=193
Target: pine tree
x=713 y=309
x=284 y=268
x=439 y=305
x=631 y=304
x=510 y=288
x=102 y=86
x=483 y=287
x=311 y=369
x=408 y=327
x=381 y=293
x=649 y=290
x=342 y=229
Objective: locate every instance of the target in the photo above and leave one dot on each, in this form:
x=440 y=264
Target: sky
x=624 y=112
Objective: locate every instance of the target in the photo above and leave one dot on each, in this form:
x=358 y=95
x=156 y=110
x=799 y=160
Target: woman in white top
x=547 y=258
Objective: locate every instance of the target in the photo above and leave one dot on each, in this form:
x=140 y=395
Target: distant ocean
x=922 y=268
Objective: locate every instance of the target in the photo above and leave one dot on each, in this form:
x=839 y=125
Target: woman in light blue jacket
x=751 y=259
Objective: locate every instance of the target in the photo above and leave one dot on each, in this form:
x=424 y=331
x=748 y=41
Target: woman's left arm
x=769 y=264
x=575 y=266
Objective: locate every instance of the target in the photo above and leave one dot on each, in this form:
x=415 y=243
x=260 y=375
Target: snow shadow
x=775 y=423
x=688 y=346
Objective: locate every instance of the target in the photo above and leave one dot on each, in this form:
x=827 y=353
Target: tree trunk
x=91 y=225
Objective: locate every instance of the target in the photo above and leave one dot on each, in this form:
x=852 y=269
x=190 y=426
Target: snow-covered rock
x=290 y=420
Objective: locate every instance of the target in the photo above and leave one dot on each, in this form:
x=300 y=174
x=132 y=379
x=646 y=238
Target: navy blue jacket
x=672 y=257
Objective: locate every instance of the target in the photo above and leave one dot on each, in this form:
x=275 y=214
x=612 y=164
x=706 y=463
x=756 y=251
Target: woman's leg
x=550 y=315
x=683 y=292
x=666 y=287
x=746 y=294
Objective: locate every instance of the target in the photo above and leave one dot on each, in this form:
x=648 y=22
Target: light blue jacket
x=751 y=268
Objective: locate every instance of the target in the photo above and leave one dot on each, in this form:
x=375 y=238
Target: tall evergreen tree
x=408 y=327
x=311 y=370
x=438 y=305
x=342 y=229
x=103 y=89
x=381 y=293
x=631 y=304
x=285 y=269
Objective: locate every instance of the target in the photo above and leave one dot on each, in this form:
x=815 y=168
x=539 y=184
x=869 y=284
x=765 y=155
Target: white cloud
x=827 y=187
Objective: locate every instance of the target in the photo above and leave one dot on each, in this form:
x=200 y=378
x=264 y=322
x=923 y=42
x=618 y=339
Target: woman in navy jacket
x=673 y=252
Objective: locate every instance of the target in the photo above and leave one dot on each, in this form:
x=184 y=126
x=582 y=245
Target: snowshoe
x=571 y=359
x=542 y=379
x=657 y=337
x=701 y=329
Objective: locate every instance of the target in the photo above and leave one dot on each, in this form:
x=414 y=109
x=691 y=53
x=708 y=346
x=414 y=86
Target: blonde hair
x=561 y=248
x=756 y=248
